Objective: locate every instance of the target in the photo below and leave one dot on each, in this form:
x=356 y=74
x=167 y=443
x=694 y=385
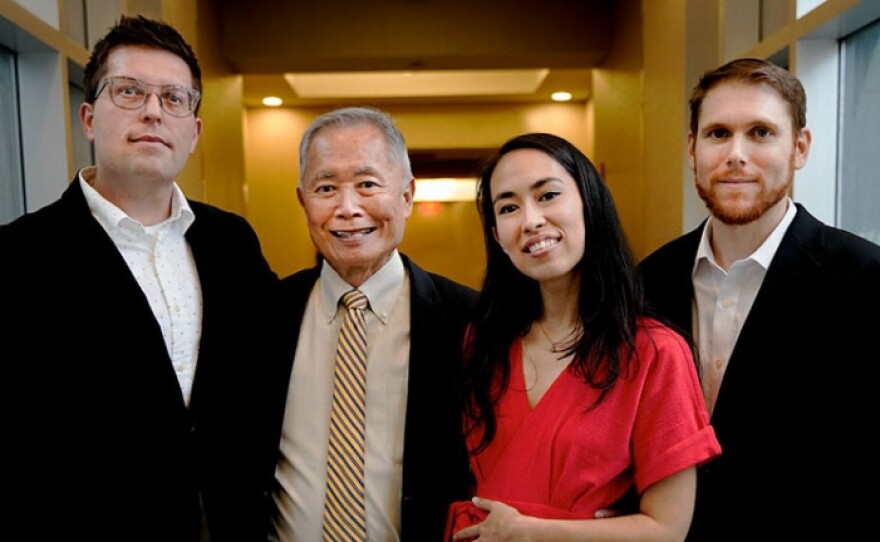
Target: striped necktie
x=344 y=513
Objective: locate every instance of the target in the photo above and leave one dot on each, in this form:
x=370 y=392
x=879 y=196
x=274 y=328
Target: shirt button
x=726 y=303
x=718 y=363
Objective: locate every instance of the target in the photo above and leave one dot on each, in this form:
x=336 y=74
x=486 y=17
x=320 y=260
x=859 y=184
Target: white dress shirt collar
x=112 y=217
x=764 y=253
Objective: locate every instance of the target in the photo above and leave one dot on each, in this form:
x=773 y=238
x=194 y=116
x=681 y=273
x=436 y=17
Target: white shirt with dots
x=162 y=263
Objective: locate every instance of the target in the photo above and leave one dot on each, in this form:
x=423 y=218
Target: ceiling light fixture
x=272 y=101
x=561 y=96
x=447 y=189
x=415 y=84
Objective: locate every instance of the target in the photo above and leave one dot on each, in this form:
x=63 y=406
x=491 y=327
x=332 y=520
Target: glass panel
x=859 y=189
x=11 y=186
x=806 y=6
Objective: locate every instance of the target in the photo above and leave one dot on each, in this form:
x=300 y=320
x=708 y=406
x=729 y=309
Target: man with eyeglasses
x=129 y=325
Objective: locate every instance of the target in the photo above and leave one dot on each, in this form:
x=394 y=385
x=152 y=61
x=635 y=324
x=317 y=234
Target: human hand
x=499 y=525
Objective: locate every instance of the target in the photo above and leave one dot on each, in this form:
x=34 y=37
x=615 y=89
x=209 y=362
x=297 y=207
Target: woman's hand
x=499 y=526
x=665 y=511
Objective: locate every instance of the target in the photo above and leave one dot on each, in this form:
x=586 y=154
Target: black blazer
x=792 y=414
x=435 y=463
x=98 y=440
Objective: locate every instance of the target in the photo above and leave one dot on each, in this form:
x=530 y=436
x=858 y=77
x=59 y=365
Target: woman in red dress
x=577 y=398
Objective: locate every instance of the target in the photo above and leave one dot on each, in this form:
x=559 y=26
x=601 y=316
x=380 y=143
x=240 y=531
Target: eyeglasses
x=131 y=93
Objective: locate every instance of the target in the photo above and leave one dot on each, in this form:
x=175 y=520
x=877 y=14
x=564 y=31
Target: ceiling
x=414 y=51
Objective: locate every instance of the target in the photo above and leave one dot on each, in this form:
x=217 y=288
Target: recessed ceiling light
x=272 y=101
x=561 y=96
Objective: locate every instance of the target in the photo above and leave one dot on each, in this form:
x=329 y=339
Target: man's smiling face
x=356 y=200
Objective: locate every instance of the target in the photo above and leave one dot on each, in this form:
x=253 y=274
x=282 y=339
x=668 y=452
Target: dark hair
x=753 y=71
x=609 y=302
x=138 y=31
x=346 y=117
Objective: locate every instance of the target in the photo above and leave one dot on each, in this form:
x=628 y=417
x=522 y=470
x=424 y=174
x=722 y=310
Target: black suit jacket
x=435 y=464
x=794 y=408
x=99 y=442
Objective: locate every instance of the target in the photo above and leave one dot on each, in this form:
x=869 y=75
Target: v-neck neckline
x=518 y=379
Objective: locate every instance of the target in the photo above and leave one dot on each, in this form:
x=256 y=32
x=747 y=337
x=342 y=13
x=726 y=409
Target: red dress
x=564 y=460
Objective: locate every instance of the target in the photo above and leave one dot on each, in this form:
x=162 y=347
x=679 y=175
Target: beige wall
x=221 y=157
x=617 y=91
x=271 y=137
x=665 y=122
x=447 y=240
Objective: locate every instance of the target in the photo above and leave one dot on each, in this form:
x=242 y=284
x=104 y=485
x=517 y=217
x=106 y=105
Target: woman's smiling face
x=539 y=214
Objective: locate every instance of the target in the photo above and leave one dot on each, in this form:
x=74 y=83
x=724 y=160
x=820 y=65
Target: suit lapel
x=422 y=317
x=790 y=280
x=99 y=270
x=672 y=286
x=113 y=277
x=682 y=285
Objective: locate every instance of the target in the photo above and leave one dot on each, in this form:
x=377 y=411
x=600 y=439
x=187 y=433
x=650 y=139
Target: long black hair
x=609 y=303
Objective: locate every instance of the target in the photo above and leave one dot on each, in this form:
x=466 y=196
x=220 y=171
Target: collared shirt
x=301 y=472
x=722 y=301
x=162 y=263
